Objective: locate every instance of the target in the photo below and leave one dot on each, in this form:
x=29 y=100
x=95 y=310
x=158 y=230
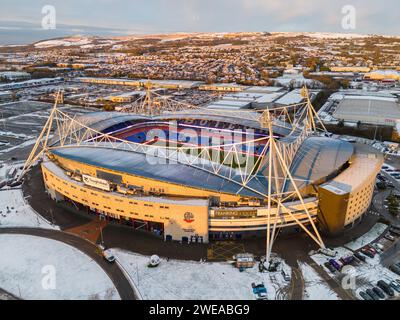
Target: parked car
x=364 y=295
x=389 y=237
x=337 y=265
x=394 y=268
x=347 y=260
x=330 y=267
x=328 y=252
x=394 y=231
x=379 y=292
x=372 y=249
x=386 y=288
x=259 y=288
x=108 y=256
x=395 y=285
x=378 y=247
x=372 y=294
x=286 y=274
x=262 y=296
x=359 y=256
x=367 y=253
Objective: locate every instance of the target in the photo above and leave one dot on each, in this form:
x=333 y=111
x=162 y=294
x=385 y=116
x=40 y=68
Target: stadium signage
x=188 y=217
x=96 y=182
x=235 y=213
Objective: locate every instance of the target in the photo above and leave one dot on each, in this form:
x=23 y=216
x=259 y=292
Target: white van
x=286 y=274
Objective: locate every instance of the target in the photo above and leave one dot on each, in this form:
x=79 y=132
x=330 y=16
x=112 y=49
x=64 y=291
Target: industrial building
x=14 y=75
x=381 y=108
x=31 y=83
x=166 y=84
x=5 y=95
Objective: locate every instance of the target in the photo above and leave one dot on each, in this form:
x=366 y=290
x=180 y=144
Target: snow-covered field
x=66 y=42
x=26 y=262
x=175 y=279
x=315 y=288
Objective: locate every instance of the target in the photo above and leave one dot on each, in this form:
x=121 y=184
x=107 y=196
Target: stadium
x=196 y=175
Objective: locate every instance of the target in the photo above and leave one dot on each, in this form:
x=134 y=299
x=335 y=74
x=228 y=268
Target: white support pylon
x=277 y=161
x=41 y=142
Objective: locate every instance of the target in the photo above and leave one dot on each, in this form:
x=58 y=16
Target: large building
x=180 y=176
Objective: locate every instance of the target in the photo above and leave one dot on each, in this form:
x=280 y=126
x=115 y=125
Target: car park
x=386 y=288
x=379 y=292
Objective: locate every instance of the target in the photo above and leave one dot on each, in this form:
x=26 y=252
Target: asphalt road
x=118 y=278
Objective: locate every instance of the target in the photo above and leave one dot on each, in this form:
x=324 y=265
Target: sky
x=165 y=16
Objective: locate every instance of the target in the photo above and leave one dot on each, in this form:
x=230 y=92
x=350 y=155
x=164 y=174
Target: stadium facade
x=168 y=175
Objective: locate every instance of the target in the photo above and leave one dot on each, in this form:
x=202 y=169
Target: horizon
x=20 y=23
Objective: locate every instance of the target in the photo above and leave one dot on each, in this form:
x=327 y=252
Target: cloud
x=212 y=15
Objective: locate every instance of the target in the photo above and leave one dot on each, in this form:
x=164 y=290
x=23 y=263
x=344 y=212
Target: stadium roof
x=317 y=158
x=149 y=166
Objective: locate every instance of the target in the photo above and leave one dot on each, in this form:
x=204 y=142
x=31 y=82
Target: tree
x=393 y=205
x=108 y=107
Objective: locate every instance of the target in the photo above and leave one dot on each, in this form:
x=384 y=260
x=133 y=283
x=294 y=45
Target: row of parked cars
x=334 y=265
x=381 y=289
x=395 y=173
x=370 y=251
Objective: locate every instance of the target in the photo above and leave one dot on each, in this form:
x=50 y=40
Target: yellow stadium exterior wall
x=179 y=219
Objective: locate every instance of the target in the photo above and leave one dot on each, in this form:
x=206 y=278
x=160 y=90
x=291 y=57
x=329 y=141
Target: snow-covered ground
x=176 y=279
x=19 y=213
x=14 y=209
x=368 y=237
x=27 y=262
x=66 y=42
x=315 y=288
